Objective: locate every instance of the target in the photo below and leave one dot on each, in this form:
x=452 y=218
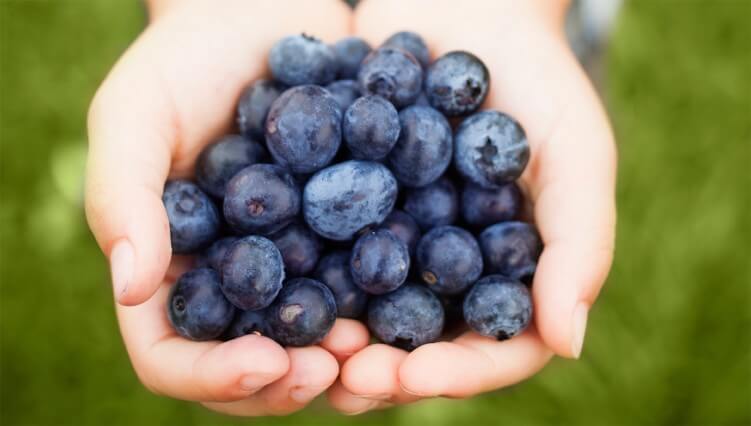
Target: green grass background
x=669 y=341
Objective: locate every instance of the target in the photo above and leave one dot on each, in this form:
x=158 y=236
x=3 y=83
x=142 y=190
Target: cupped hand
x=171 y=93
x=569 y=182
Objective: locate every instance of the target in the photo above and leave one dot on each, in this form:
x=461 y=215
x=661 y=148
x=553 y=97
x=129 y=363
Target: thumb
x=130 y=137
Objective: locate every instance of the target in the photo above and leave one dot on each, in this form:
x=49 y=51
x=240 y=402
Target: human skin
x=174 y=90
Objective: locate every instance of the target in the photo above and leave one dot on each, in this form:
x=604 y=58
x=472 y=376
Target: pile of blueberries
x=347 y=192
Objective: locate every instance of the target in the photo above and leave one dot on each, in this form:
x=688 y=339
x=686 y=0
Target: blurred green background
x=669 y=341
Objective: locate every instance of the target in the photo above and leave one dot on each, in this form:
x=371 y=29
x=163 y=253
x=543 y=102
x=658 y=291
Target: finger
x=347 y=403
x=472 y=364
x=200 y=371
x=346 y=338
x=372 y=374
x=312 y=371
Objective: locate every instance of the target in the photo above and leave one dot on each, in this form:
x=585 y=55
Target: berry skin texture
x=220 y=161
x=457 y=83
x=196 y=308
x=392 y=73
x=261 y=199
x=371 y=127
x=213 y=256
x=333 y=270
x=252 y=273
x=303 y=313
x=449 y=260
x=404 y=227
x=193 y=218
x=511 y=249
x=303 y=129
x=253 y=107
x=247 y=322
x=412 y=43
x=423 y=151
x=498 y=306
x=301 y=59
x=379 y=262
x=299 y=247
x=406 y=318
x=350 y=51
x=345 y=92
x=490 y=149
x=433 y=205
x=342 y=199
x=483 y=207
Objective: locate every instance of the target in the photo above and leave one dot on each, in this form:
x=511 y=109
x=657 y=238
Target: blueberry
x=412 y=43
x=302 y=59
x=350 y=51
x=449 y=259
x=490 y=149
x=302 y=314
x=433 y=205
x=196 y=308
x=457 y=83
x=379 y=262
x=193 y=218
x=342 y=199
x=404 y=227
x=345 y=92
x=303 y=128
x=213 y=256
x=498 y=306
x=300 y=249
x=253 y=107
x=370 y=127
x=392 y=73
x=252 y=273
x=406 y=318
x=247 y=322
x=261 y=199
x=422 y=100
x=220 y=161
x=423 y=151
x=333 y=270
x=482 y=207
x=511 y=249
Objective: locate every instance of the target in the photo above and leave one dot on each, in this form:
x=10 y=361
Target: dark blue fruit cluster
x=344 y=191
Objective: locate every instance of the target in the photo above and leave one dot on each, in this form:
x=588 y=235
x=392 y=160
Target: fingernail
x=122 y=262
x=579 y=322
x=410 y=392
x=253 y=383
x=303 y=395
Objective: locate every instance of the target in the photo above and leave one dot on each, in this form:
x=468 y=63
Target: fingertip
x=346 y=338
x=373 y=370
x=422 y=372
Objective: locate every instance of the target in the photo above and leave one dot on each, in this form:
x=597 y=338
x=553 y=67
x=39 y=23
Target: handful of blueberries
x=339 y=197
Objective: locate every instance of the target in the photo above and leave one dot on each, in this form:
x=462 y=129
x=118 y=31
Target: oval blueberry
x=350 y=51
x=345 y=92
x=404 y=227
x=302 y=59
x=511 y=249
x=412 y=43
x=482 y=207
x=193 y=218
x=252 y=273
x=498 y=306
x=333 y=270
x=303 y=129
x=379 y=262
x=449 y=259
x=253 y=107
x=490 y=149
x=262 y=199
x=423 y=151
x=406 y=318
x=247 y=322
x=213 y=256
x=457 y=83
x=392 y=73
x=433 y=205
x=197 y=309
x=300 y=249
x=342 y=199
x=220 y=161
x=302 y=314
x=371 y=127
